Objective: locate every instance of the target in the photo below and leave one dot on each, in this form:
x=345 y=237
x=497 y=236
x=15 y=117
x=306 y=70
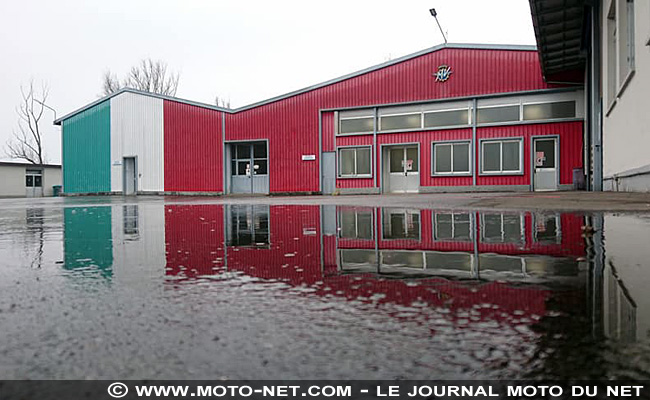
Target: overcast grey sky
x=244 y=51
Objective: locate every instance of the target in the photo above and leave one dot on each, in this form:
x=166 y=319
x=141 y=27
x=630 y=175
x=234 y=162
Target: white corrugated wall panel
x=137 y=131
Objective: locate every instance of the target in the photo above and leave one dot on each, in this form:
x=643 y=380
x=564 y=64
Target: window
x=561 y=109
x=620 y=46
x=34 y=178
x=547 y=228
x=446 y=118
x=452 y=226
x=355 y=224
x=357 y=121
x=401 y=224
x=501 y=157
x=403 y=121
x=488 y=115
x=249 y=225
x=354 y=161
x=451 y=158
x=245 y=153
x=502 y=228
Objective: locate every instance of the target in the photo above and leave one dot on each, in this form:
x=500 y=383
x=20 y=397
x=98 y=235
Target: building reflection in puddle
x=518 y=266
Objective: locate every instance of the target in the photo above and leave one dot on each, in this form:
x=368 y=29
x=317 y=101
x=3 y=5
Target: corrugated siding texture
x=328 y=131
x=194 y=240
x=292 y=124
x=570 y=134
x=193 y=143
x=137 y=130
x=87 y=151
x=293 y=256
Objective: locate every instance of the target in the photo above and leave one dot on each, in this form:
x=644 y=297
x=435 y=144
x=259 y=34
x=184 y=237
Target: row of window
x=364 y=121
x=405 y=224
x=448 y=158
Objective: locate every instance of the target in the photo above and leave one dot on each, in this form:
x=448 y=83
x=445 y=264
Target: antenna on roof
x=434 y=14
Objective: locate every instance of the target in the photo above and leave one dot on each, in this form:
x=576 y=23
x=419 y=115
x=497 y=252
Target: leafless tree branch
x=26 y=142
x=149 y=76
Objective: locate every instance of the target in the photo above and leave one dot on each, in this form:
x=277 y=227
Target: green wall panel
x=87 y=150
x=88 y=239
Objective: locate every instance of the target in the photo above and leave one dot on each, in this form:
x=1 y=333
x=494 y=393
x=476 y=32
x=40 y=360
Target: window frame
x=356 y=224
x=521 y=169
x=469 y=117
x=339 y=175
x=434 y=173
x=522 y=228
x=437 y=238
x=370 y=115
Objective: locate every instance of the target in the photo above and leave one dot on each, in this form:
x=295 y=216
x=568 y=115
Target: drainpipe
x=595 y=100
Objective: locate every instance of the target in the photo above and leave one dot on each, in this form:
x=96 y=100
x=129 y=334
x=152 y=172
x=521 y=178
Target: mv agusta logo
x=443 y=73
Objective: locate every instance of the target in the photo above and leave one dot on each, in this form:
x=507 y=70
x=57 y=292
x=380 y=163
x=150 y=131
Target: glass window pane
x=498 y=114
x=363 y=161
x=442 y=158
x=561 y=109
x=233 y=167
x=356 y=125
x=408 y=259
x=511 y=228
x=491 y=156
x=547 y=147
x=461 y=226
x=412 y=157
x=38 y=181
x=348 y=224
x=409 y=121
x=461 y=157
x=242 y=167
x=446 y=118
x=347 y=161
x=492 y=227
x=511 y=156
x=260 y=167
x=259 y=150
x=397 y=160
x=444 y=228
x=30 y=181
x=243 y=151
x=364 y=225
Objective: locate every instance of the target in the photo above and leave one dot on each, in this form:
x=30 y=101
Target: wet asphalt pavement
x=180 y=288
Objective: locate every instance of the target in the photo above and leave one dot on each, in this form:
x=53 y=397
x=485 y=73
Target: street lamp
x=434 y=14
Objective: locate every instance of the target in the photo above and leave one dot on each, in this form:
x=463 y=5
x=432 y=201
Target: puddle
x=192 y=291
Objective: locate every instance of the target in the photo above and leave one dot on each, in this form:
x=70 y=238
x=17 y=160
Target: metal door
x=329 y=172
x=130 y=176
x=34 y=183
x=545 y=159
x=404 y=165
x=249 y=168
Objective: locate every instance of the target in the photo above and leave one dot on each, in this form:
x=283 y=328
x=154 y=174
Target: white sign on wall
x=309 y=157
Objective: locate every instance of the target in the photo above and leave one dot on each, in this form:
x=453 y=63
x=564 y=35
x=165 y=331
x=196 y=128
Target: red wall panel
x=328 y=128
x=291 y=124
x=193 y=148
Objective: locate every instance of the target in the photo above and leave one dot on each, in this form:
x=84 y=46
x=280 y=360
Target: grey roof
x=26 y=164
x=313 y=87
x=559 y=31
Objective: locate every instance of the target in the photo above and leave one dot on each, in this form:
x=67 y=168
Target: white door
x=130 y=177
x=34 y=182
x=545 y=159
x=404 y=169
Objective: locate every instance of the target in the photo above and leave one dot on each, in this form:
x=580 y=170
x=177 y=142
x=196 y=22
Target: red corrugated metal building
x=449 y=118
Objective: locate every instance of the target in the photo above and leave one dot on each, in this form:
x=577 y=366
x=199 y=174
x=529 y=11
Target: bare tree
x=221 y=102
x=149 y=76
x=27 y=141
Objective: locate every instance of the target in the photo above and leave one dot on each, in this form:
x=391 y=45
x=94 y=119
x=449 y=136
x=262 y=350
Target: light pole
x=434 y=14
x=46 y=106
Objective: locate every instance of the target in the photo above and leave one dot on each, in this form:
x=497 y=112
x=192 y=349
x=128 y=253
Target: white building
x=605 y=46
x=28 y=180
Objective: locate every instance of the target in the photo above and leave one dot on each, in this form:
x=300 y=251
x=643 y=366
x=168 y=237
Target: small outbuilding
x=28 y=180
